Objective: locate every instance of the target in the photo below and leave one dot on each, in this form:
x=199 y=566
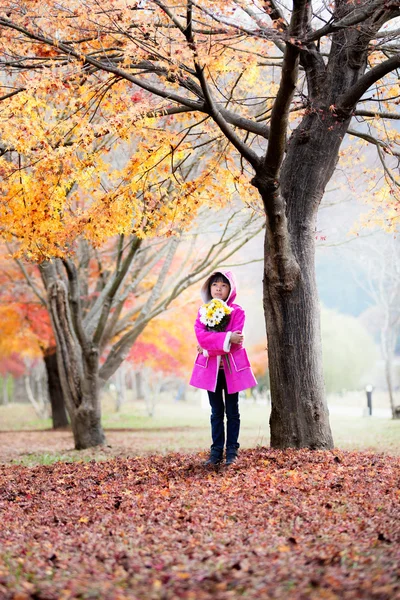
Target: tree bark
x=77 y=365
x=56 y=397
x=299 y=414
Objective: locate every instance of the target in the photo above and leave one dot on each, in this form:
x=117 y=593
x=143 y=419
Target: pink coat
x=216 y=347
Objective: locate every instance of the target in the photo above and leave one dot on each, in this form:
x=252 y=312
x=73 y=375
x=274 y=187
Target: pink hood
x=205 y=293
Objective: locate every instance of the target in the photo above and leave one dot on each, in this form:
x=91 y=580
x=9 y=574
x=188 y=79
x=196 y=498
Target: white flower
x=214 y=312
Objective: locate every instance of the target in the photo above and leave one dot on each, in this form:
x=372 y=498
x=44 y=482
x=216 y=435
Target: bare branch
x=119 y=351
x=109 y=296
x=13 y=93
x=229 y=116
x=380 y=114
x=349 y=99
x=372 y=140
x=280 y=111
x=360 y=13
x=31 y=283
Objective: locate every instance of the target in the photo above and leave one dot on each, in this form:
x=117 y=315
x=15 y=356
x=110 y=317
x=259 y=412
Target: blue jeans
x=218 y=409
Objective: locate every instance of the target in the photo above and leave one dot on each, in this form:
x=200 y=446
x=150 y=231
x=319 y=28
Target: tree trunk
x=120 y=387
x=87 y=427
x=37 y=407
x=388 y=345
x=389 y=384
x=299 y=413
x=56 y=397
x=5 y=380
x=139 y=385
x=77 y=362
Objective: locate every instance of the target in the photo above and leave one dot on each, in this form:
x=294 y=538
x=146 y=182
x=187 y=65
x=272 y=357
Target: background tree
x=335 y=66
x=67 y=204
x=380 y=263
x=103 y=299
x=26 y=333
x=349 y=351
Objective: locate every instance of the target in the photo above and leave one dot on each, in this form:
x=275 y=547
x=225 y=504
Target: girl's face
x=220 y=290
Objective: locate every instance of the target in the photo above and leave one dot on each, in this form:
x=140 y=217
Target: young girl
x=222 y=367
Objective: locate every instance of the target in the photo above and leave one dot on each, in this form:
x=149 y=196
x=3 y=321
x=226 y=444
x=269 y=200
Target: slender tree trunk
x=56 y=397
x=5 y=389
x=389 y=384
x=388 y=344
x=120 y=387
x=36 y=405
x=139 y=385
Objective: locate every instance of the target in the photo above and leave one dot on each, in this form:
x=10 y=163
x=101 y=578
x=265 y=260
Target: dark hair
x=218 y=277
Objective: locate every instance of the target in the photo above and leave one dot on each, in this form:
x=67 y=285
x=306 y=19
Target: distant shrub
x=349 y=351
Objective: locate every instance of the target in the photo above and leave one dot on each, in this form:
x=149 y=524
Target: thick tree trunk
x=56 y=397
x=87 y=427
x=299 y=414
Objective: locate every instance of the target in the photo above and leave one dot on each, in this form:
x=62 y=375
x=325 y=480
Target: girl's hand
x=237 y=337
x=199 y=349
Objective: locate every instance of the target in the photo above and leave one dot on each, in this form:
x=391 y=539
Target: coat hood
x=205 y=292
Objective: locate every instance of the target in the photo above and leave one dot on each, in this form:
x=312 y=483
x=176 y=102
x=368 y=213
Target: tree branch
x=358 y=15
x=229 y=116
x=119 y=351
x=388 y=33
x=381 y=115
x=385 y=168
x=109 y=297
x=280 y=110
x=102 y=66
x=216 y=114
x=265 y=33
x=349 y=99
x=11 y=94
x=31 y=283
x=372 y=140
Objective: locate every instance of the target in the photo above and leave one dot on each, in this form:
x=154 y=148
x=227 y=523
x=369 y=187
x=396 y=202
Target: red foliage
x=288 y=525
x=13 y=365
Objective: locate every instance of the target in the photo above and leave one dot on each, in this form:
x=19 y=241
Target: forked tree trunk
x=77 y=365
x=56 y=396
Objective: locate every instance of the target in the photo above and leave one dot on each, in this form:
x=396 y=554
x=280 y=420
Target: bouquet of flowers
x=215 y=315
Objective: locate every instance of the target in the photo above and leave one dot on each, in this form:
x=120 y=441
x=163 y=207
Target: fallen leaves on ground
x=276 y=524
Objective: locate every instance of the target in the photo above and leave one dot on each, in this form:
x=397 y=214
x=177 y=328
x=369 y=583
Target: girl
x=222 y=367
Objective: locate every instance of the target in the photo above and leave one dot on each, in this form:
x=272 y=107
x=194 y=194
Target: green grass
x=366 y=433
x=179 y=426
x=20 y=417
x=46 y=458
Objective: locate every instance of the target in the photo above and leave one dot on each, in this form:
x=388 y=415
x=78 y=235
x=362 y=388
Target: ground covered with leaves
x=288 y=525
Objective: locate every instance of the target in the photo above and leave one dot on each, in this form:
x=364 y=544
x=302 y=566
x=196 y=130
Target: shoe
x=231 y=455
x=215 y=457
